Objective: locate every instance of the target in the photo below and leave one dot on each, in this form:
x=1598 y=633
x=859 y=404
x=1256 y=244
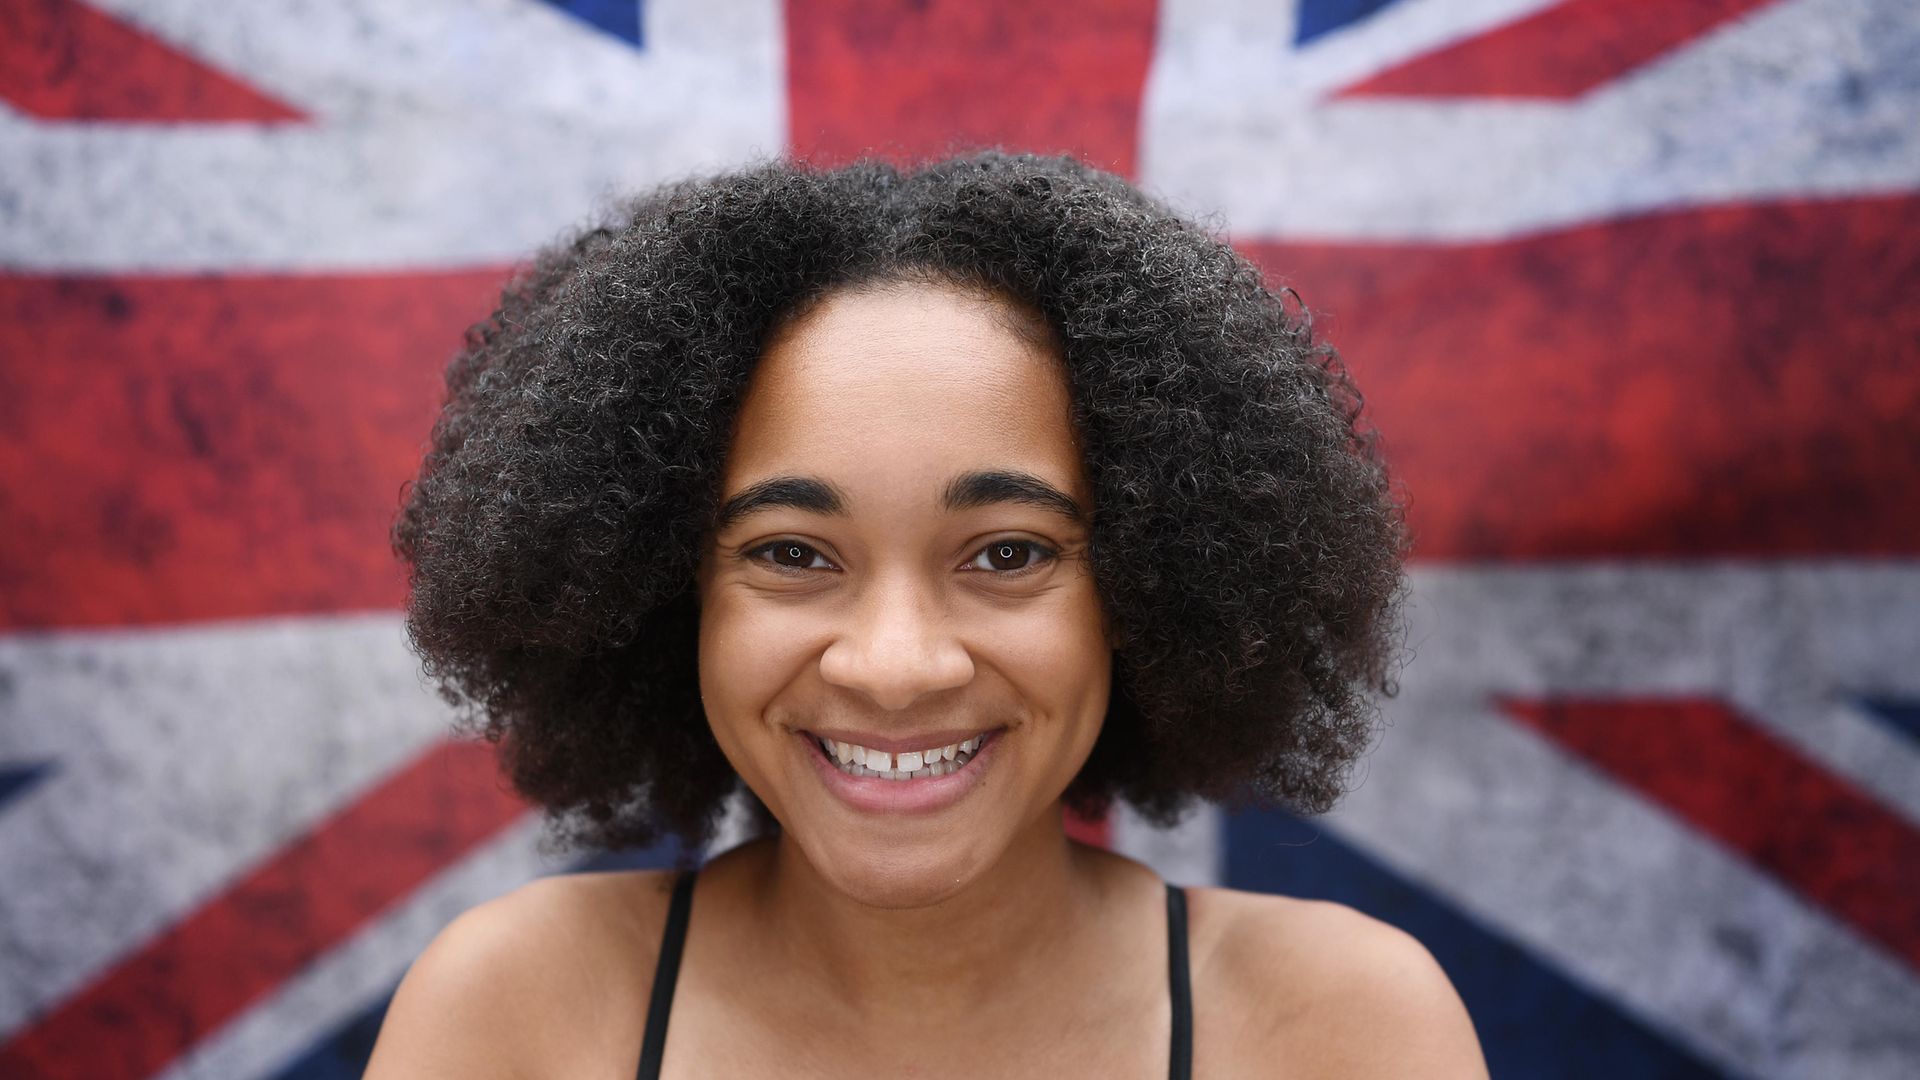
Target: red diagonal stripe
x=914 y=80
x=1814 y=830
x=1562 y=52
x=237 y=948
x=62 y=60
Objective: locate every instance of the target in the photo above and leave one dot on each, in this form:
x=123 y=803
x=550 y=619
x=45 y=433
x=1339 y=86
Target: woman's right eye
x=790 y=555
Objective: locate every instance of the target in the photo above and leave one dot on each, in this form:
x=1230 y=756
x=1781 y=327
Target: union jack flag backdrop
x=1633 y=290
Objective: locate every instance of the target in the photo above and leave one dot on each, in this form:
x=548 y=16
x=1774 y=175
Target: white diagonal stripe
x=442 y=135
x=1804 y=98
x=1621 y=895
x=181 y=757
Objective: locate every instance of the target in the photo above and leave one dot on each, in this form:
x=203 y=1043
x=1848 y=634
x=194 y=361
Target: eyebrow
x=967 y=491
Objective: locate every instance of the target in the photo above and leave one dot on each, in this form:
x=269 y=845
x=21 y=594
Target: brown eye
x=1011 y=556
x=790 y=555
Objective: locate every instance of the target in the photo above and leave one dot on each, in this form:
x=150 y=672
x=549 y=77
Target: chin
x=895 y=876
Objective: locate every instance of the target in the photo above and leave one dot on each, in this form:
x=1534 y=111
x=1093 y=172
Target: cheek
x=1059 y=659
x=747 y=654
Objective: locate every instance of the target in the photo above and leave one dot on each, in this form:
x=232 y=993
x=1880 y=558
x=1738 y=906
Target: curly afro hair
x=1245 y=541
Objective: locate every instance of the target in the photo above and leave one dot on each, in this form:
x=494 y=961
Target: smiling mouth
x=856 y=760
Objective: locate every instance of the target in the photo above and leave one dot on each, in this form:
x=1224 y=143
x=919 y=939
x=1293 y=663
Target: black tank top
x=674 y=938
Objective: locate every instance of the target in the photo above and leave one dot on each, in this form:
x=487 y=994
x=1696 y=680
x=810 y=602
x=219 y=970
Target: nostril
x=895 y=678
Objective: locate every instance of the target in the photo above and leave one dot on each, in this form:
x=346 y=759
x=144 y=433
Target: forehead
x=906 y=385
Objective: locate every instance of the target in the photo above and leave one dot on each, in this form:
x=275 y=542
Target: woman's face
x=900 y=568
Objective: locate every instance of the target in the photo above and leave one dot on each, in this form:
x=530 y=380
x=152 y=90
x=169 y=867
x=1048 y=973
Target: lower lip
x=921 y=795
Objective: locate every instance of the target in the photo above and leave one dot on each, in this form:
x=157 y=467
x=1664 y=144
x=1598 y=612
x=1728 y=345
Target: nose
x=897 y=647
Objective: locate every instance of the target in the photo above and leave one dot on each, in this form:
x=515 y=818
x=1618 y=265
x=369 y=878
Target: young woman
x=921 y=504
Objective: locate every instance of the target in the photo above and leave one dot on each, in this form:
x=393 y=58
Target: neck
x=1018 y=924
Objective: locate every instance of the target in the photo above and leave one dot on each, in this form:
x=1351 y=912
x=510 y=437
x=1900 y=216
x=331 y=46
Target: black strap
x=674 y=938
x=654 y=1045
x=1181 y=1065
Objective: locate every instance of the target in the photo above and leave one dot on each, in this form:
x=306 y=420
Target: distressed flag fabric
x=1629 y=288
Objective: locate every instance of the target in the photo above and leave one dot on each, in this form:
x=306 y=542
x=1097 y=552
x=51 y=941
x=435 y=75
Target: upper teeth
x=938 y=761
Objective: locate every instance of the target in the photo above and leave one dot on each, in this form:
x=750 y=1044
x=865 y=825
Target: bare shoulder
x=547 y=980
x=1311 y=988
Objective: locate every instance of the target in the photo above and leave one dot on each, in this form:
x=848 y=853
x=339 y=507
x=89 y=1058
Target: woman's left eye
x=1012 y=557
